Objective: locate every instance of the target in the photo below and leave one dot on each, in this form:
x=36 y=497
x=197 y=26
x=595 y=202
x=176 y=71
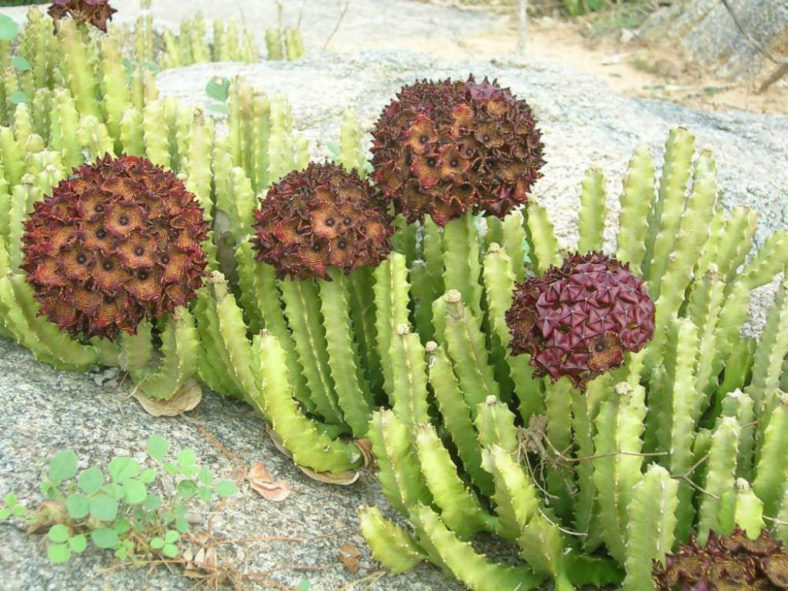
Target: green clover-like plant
x=124 y=507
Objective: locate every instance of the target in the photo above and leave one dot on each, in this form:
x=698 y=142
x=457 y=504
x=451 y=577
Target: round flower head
x=443 y=148
x=95 y=12
x=579 y=319
x=321 y=217
x=117 y=242
x=726 y=562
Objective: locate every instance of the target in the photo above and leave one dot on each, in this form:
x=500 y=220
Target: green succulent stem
x=353 y=395
x=302 y=310
x=298 y=434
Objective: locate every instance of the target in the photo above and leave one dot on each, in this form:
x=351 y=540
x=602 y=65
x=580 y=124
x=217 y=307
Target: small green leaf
x=104 y=508
x=62 y=466
x=204 y=493
x=20 y=64
x=58 y=533
x=205 y=476
x=122 y=526
x=123 y=468
x=128 y=64
x=156 y=543
x=113 y=490
x=186 y=458
x=187 y=489
x=104 y=537
x=78 y=543
x=219 y=108
x=333 y=147
x=170 y=550
x=218 y=88
x=225 y=488
x=58 y=553
x=171 y=468
x=17 y=511
x=181 y=525
x=171 y=536
x=90 y=480
x=8 y=30
x=180 y=510
x=151 y=502
x=48 y=490
x=77 y=505
x=190 y=470
x=148 y=475
x=157 y=447
x=10 y=500
x=18 y=97
x=5 y=514
x=134 y=492
x=303 y=585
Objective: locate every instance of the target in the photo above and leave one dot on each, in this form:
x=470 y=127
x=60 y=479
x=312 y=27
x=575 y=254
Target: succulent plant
x=444 y=148
x=579 y=319
x=593 y=483
x=95 y=12
x=117 y=242
x=733 y=562
x=319 y=218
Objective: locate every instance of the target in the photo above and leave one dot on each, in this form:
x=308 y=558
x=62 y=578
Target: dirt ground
x=627 y=67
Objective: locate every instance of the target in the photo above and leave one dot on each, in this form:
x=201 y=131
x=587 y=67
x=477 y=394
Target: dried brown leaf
x=365 y=445
x=350 y=557
x=343 y=478
x=263 y=483
x=185 y=399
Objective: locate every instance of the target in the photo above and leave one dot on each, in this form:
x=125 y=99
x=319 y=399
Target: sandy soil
x=629 y=68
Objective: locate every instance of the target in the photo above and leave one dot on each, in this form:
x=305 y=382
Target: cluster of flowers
x=120 y=240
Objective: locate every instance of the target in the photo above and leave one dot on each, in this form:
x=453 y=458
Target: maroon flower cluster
x=443 y=148
x=579 y=319
x=730 y=563
x=95 y=12
x=118 y=241
x=321 y=217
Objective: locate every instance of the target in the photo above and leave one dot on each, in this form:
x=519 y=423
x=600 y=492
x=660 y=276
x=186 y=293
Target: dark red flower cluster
x=442 y=148
x=321 y=217
x=118 y=241
x=729 y=563
x=95 y=12
x=579 y=319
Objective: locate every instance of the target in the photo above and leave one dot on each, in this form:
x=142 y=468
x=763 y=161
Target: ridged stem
x=591 y=221
x=298 y=433
x=302 y=310
x=353 y=398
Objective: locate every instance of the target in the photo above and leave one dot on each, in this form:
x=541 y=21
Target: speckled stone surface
x=45 y=410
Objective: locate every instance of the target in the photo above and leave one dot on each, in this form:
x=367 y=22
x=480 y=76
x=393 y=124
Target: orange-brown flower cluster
x=118 y=241
x=443 y=148
x=95 y=12
x=318 y=218
x=729 y=563
x=579 y=319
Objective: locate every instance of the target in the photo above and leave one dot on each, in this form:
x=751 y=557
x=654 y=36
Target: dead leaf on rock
x=350 y=556
x=263 y=483
x=343 y=478
x=185 y=399
x=365 y=445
